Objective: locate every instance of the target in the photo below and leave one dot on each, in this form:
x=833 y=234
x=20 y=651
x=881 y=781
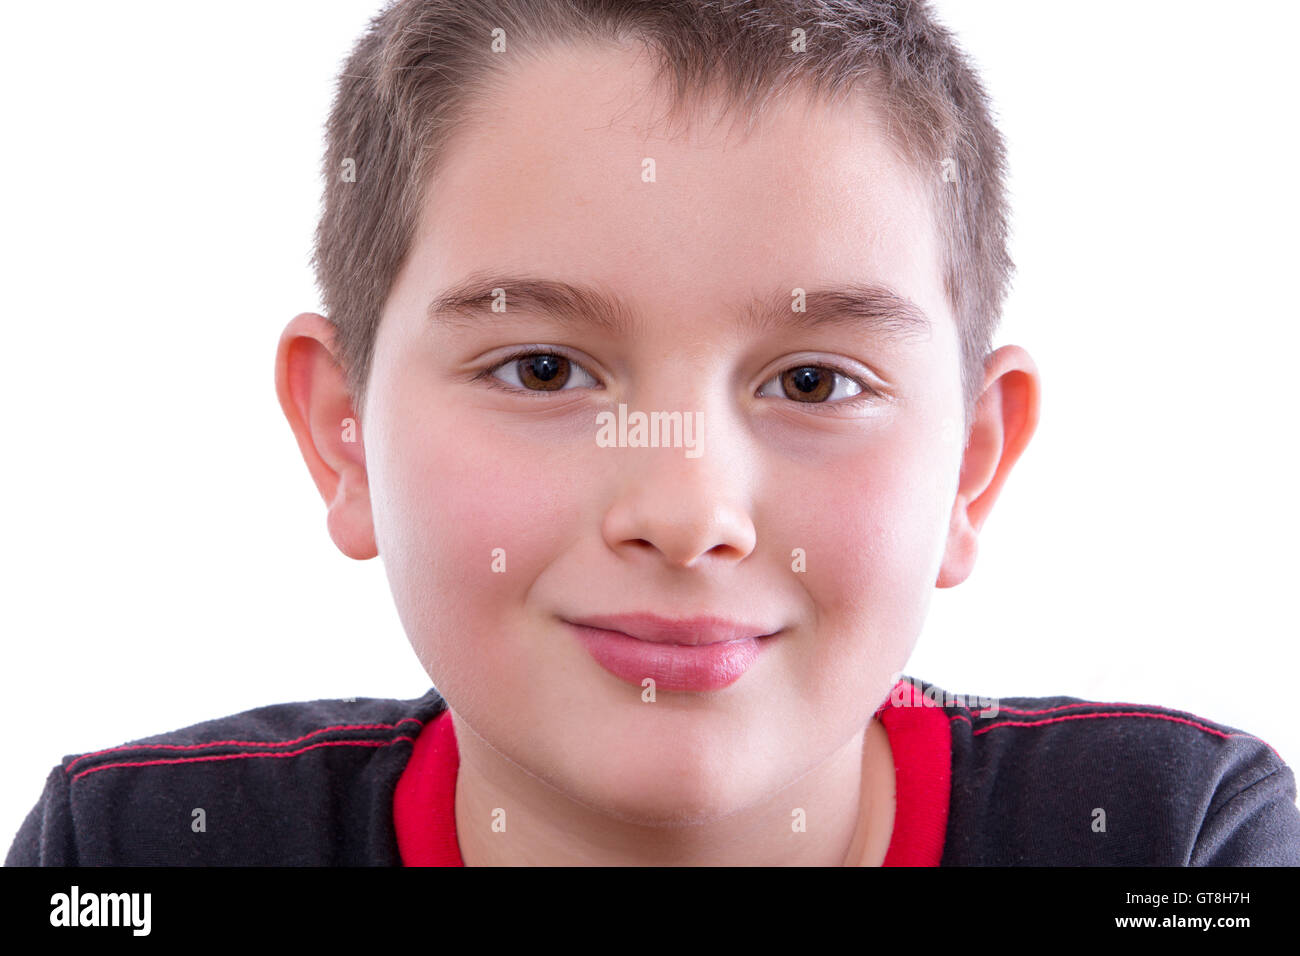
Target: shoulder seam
x=1170 y=716
x=241 y=756
x=1152 y=712
x=238 y=743
x=262 y=748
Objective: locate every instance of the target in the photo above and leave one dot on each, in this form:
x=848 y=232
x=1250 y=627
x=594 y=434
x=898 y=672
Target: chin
x=665 y=794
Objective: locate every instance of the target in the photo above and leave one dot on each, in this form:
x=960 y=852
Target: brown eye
x=808 y=383
x=814 y=384
x=543 y=372
x=537 y=371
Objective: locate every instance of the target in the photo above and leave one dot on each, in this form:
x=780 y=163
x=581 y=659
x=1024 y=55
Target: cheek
x=874 y=533
x=467 y=516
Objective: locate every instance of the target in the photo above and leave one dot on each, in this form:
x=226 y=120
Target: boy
x=666 y=611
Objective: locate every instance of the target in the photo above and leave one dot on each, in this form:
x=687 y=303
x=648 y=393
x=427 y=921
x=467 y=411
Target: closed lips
x=685 y=631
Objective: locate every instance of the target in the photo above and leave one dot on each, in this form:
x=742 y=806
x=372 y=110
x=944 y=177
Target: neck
x=846 y=804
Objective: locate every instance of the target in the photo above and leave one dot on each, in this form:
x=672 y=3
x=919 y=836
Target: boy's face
x=553 y=184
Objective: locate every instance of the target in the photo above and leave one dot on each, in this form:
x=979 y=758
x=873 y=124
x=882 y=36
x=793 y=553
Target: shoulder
x=1067 y=781
x=303 y=783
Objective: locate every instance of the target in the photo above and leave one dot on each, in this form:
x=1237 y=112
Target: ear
x=313 y=394
x=1005 y=418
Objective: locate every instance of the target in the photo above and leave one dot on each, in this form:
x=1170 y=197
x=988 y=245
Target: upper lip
x=708 y=629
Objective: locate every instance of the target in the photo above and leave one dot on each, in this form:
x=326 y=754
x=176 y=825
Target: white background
x=165 y=555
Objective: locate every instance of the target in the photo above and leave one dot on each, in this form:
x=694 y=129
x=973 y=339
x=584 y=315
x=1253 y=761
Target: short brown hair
x=421 y=67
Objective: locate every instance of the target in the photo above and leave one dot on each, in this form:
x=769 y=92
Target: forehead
x=569 y=169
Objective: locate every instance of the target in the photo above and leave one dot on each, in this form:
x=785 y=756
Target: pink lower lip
x=672 y=666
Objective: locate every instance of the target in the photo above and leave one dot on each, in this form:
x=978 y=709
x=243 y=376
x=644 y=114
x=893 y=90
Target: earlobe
x=1005 y=419
x=350 y=522
x=313 y=394
x=962 y=548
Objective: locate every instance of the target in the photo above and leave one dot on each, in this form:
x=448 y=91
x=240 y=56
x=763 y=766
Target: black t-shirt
x=1020 y=781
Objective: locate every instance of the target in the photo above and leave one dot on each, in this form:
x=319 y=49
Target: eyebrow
x=871 y=308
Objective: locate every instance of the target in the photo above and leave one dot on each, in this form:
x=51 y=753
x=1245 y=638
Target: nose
x=683 y=509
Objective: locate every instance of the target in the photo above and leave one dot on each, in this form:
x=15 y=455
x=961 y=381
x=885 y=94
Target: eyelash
x=867 y=395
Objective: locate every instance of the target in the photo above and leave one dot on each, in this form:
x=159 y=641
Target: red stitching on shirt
x=1080 y=704
x=1054 y=720
x=243 y=743
x=292 y=753
x=1085 y=703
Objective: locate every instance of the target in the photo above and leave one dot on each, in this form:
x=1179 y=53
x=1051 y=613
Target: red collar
x=424 y=803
